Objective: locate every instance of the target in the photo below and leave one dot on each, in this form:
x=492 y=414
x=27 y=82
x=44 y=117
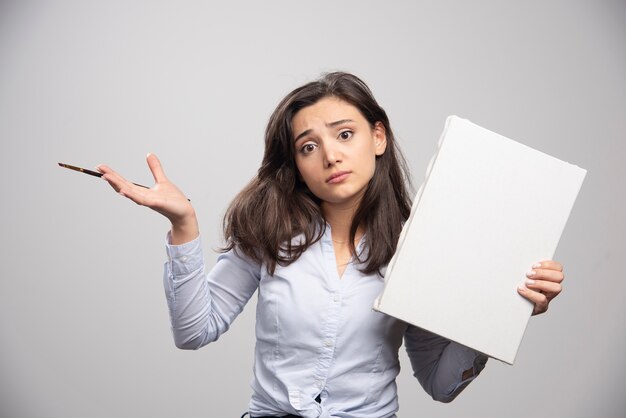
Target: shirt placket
x=326 y=352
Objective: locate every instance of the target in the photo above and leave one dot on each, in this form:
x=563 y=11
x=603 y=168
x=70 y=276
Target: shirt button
x=328 y=343
x=184 y=258
x=335 y=298
x=318 y=384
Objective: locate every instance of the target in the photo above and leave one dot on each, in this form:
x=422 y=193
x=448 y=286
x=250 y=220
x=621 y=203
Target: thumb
x=155 y=167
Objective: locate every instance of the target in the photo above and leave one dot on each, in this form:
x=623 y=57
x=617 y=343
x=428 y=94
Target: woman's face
x=336 y=150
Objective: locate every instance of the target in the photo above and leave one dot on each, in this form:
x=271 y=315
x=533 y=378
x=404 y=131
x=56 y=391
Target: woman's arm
x=202 y=306
x=443 y=367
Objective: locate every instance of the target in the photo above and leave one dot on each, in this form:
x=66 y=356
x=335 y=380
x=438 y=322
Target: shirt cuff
x=184 y=258
x=467 y=359
x=470 y=358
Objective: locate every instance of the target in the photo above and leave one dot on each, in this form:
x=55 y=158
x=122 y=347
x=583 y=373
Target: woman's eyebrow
x=339 y=122
x=328 y=125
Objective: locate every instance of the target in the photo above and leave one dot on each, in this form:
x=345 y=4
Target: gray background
x=83 y=322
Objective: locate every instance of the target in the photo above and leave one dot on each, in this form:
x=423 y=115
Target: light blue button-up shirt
x=316 y=333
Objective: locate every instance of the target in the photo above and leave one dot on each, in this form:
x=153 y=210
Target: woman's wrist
x=185 y=230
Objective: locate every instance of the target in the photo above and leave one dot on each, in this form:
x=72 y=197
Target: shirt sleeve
x=438 y=363
x=203 y=305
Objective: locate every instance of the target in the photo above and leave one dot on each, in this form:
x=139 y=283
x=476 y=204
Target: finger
x=116 y=181
x=549 y=275
x=110 y=176
x=550 y=289
x=103 y=168
x=142 y=196
x=139 y=195
x=538 y=299
x=549 y=265
x=156 y=168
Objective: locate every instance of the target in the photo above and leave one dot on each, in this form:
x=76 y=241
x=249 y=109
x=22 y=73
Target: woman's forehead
x=325 y=112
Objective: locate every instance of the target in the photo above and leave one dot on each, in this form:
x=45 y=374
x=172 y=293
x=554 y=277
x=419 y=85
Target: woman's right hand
x=164 y=197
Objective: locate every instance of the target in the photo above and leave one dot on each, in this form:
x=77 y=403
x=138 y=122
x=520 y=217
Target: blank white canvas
x=490 y=207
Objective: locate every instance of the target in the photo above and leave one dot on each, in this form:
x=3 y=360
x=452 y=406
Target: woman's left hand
x=543 y=284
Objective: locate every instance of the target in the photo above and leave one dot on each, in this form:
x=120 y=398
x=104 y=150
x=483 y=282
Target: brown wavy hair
x=277 y=206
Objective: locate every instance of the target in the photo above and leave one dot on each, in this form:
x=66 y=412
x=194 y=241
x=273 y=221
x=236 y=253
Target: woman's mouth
x=337 y=177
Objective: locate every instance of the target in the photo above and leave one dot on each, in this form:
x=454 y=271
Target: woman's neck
x=340 y=221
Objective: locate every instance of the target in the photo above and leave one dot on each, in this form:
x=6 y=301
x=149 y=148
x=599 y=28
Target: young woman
x=313 y=233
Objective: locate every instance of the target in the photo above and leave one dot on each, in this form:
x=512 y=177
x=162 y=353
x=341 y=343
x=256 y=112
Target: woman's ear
x=380 y=138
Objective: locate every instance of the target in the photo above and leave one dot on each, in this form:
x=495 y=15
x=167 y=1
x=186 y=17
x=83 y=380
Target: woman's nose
x=332 y=153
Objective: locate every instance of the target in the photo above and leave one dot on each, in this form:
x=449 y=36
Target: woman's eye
x=345 y=135
x=307 y=148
